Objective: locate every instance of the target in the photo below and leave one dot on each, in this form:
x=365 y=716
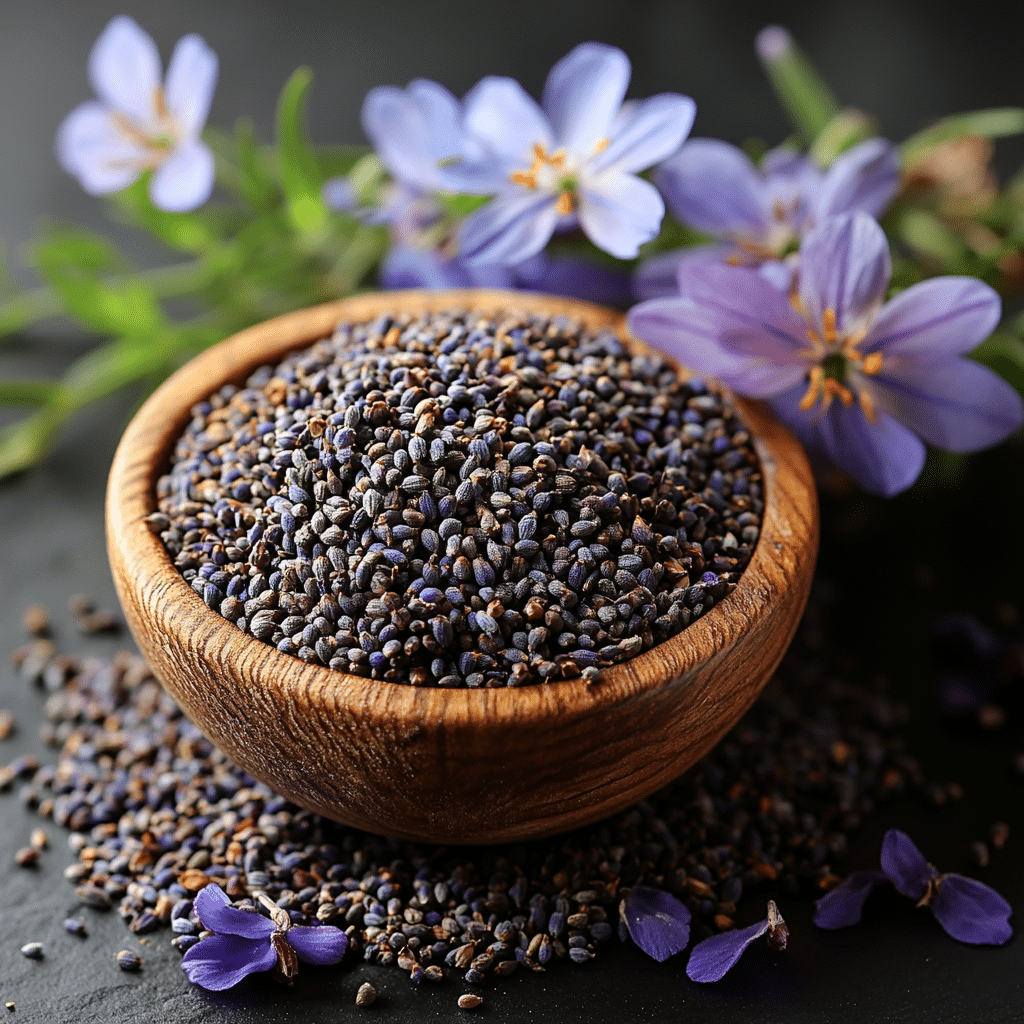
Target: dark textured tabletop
x=893 y=566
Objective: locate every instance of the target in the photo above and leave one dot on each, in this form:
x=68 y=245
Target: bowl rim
x=139 y=559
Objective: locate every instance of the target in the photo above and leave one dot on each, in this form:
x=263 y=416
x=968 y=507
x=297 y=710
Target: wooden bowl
x=459 y=766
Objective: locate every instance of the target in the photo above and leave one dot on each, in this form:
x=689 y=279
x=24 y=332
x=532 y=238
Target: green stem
x=37 y=304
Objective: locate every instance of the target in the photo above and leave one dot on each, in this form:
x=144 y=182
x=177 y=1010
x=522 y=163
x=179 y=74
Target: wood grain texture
x=460 y=766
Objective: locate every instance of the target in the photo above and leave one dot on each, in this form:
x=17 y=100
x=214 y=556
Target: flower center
x=838 y=366
x=157 y=145
x=550 y=172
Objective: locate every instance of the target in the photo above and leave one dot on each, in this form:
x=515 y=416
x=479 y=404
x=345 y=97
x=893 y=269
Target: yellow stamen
x=539 y=153
x=602 y=145
x=160 y=103
x=815 y=379
x=872 y=363
x=557 y=159
x=811 y=336
x=828 y=321
x=128 y=127
x=867 y=405
x=832 y=387
x=565 y=204
x=528 y=179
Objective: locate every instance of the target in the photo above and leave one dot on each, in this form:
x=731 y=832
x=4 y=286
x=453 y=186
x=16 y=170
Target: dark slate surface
x=908 y=62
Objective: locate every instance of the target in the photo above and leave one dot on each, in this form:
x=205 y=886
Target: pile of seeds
x=454 y=501
x=157 y=813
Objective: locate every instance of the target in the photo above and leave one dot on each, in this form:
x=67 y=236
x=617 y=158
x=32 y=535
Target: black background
x=905 y=63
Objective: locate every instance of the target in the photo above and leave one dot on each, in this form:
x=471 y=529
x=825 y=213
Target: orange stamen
x=528 y=179
x=872 y=363
x=814 y=387
x=565 y=204
x=828 y=321
x=867 y=405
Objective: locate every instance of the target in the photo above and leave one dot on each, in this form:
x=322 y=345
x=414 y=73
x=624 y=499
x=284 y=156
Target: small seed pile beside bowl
x=463 y=501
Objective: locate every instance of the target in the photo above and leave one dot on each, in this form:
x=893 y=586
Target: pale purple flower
x=759 y=213
x=246 y=942
x=139 y=123
x=657 y=922
x=571 y=161
x=714 y=957
x=967 y=909
x=860 y=379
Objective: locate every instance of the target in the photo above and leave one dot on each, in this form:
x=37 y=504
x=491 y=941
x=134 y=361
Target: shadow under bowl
x=440 y=765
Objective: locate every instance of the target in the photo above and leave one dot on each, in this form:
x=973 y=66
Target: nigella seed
x=33 y=950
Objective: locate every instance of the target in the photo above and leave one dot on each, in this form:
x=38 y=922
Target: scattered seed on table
x=6 y=723
x=33 y=950
x=999 y=833
x=470 y=1001
x=39 y=839
x=366 y=995
x=26 y=857
x=76 y=926
x=473 y=502
x=156 y=813
x=36 y=620
x=128 y=961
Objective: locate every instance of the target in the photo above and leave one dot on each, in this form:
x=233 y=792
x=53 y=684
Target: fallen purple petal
x=904 y=865
x=712 y=959
x=219 y=962
x=971 y=912
x=218 y=915
x=658 y=923
x=318 y=945
x=843 y=906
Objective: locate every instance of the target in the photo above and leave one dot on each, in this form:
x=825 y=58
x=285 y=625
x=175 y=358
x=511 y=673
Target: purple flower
x=247 y=942
x=572 y=161
x=967 y=909
x=862 y=381
x=657 y=922
x=139 y=124
x=759 y=213
x=714 y=957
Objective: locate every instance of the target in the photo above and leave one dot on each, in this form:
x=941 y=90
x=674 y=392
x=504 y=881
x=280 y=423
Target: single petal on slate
x=904 y=864
x=843 y=905
x=222 y=961
x=712 y=958
x=658 y=923
x=972 y=912
x=323 y=945
x=215 y=911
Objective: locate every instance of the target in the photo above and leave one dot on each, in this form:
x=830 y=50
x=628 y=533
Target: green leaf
x=842 y=132
x=931 y=238
x=71 y=261
x=24 y=443
x=27 y=392
x=300 y=173
x=1003 y=353
x=802 y=91
x=992 y=124
x=257 y=181
x=459 y=206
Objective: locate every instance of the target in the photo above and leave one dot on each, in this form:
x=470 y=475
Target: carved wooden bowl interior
x=441 y=765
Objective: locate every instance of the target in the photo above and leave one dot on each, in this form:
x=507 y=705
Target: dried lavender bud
x=33 y=950
x=464 y=458
x=76 y=926
x=128 y=961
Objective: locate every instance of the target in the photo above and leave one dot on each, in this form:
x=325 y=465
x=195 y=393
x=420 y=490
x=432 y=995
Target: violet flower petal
x=714 y=188
x=190 y=84
x=92 y=148
x=124 y=69
x=658 y=923
x=184 y=180
x=971 y=912
x=844 y=266
x=843 y=905
x=865 y=178
x=222 y=961
x=509 y=229
x=619 y=212
x=503 y=116
x=882 y=455
x=646 y=132
x=658 y=276
x=318 y=945
x=583 y=93
x=712 y=958
x=904 y=864
x=940 y=317
x=956 y=404
x=214 y=909
x=578 y=278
